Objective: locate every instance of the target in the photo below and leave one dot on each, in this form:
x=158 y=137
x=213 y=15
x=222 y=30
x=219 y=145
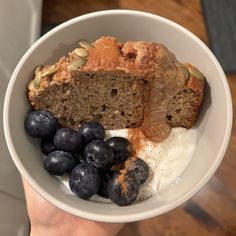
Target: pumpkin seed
x=38 y=68
x=37 y=79
x=196 y=73
x=49 y=71
x=31 y=85
x=86 y=45
x=81 y=52
x=186 y=73
x=77 y=63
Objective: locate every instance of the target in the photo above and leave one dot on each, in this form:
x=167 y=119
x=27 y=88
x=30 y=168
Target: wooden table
x=213 y=210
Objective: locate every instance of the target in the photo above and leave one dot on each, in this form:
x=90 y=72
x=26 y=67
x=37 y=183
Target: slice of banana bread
x=114 y=99
x=119 y=85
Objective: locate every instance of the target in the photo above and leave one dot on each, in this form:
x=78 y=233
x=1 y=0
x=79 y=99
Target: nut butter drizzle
x=165 y=82
x=159 y=91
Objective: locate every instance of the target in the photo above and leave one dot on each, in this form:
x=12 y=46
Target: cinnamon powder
x=122 y=181
x=135 y=136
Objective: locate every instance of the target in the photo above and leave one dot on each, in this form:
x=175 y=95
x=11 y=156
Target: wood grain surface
x=212 y=212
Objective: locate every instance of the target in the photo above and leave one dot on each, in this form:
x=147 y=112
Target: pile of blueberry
x=88 y=159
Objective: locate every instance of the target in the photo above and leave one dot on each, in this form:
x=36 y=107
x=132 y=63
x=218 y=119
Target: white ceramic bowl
x=213 y=126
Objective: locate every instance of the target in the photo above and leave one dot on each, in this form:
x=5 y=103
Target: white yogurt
x=167 y=160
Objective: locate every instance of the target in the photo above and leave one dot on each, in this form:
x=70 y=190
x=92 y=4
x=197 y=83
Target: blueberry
x=47 y=146
x=123 y=188
x=92 y=130
x=68 y=140
x=41 y=124
x=59 y=162
x=122 y=148
x=105 y=178
x=99 y=154
x=139 y=167
x=84 y=180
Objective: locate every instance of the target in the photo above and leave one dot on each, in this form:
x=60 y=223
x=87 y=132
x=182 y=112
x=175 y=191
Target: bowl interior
x=213 y=126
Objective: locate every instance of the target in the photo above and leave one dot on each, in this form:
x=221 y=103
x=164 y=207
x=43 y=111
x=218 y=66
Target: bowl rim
x=127 y=217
